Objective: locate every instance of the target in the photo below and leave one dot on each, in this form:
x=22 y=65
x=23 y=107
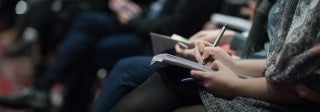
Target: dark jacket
x=184 y=17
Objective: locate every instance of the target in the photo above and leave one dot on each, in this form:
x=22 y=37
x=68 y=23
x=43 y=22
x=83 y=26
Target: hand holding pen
x=205 y=61
x=216 y=41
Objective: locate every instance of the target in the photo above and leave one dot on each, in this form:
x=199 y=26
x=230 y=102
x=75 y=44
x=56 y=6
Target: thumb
x=199 y=75
x=216 y=65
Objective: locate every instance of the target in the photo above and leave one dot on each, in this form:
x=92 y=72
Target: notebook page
x=178 y=61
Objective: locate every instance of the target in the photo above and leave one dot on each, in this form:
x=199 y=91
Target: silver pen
x=205 y=61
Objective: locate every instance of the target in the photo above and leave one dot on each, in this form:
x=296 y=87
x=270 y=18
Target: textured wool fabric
x=293 y=57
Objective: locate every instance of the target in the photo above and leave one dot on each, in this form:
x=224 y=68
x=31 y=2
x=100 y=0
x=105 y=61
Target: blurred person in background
x=98 y=39
x=40 y=23
x=7 y=18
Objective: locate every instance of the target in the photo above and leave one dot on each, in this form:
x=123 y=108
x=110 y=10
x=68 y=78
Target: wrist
x=239 y=87
x=235 y=65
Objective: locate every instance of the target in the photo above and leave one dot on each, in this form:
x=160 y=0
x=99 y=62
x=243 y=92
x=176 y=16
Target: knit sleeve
x=294 y=53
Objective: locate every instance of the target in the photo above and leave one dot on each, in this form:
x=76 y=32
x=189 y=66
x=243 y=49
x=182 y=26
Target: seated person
x=99 y=39
x=125 y=77
x=279 y=83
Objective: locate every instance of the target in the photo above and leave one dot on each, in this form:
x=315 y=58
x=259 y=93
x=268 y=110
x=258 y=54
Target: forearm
x=261 y=89
x=253 y=68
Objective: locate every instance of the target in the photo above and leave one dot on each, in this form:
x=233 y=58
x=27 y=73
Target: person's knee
x=132 y=71
x=126 y=66
x=83 y=17
x=125 y=63
x=121 y=71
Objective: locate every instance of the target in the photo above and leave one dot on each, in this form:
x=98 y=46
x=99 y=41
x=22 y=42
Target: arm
x=262 y=89
x=225 y=83
x=210 y=36
x=253 y=68
x=225 y=79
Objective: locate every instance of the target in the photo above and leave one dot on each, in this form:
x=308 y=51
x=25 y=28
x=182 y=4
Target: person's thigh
x=112 y=48
x=96 y=23
x=151 y=96
x=126 y=75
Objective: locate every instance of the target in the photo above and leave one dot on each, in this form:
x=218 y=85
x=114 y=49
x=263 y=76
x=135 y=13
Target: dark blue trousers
x=126 y=75
x=95 y=40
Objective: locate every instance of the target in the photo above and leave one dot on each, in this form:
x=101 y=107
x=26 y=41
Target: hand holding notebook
x=162 y=60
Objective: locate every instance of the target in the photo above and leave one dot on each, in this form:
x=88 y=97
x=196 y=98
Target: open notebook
x=164 y=59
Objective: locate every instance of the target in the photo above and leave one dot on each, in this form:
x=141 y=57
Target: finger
x=217 y=65
x=189 y=52
x=213 y=51
x=206 y=43
x=122 y=14
x=135 y=7
x=197 y=53
x=202 y=44
x=194 y=37
x=208 y=51
x=252 y=4
x=308 y=94
x=181 y=49
x=178 y=49
x=199 y=48
x=199 y=75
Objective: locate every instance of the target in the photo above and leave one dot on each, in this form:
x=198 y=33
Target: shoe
x=26 y=98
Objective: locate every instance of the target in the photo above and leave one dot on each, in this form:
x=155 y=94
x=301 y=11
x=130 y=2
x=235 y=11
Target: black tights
x=155 y=96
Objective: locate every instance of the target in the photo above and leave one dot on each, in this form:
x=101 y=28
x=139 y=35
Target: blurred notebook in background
x=232 y=22
x=162 y=43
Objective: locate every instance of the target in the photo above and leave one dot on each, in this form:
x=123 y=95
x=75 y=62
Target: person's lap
x=81 y=50
x=154 y=96
x=126 y=75
x=116 y=46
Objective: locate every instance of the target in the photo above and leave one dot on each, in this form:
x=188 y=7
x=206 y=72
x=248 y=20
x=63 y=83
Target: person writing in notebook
x=98 y=39
x=135 y=70
x=291 y=70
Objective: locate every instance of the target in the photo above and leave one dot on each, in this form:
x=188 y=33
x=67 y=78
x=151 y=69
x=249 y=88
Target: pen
x=187 y=79
x=205 y=61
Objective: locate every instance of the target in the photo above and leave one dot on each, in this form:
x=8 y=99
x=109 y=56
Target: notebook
x=233 y=22
x=164 y=59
